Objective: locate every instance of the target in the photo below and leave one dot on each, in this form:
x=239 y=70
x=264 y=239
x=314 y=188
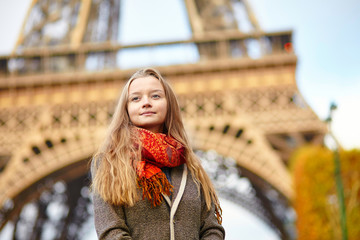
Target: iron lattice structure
x=59 y=87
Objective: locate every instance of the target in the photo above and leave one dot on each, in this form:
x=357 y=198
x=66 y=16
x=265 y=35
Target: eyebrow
x=152 y=91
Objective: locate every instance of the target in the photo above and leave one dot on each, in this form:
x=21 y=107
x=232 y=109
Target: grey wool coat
x=184 y=216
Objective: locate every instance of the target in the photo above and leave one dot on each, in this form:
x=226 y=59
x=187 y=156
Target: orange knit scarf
x=158 y=150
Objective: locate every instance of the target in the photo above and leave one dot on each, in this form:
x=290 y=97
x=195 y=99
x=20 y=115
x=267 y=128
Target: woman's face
x=147 y=104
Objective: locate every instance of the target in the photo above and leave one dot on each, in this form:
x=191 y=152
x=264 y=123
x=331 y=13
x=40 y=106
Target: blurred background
x=255 y=81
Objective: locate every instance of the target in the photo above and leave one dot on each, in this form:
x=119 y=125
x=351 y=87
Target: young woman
x=147 y=181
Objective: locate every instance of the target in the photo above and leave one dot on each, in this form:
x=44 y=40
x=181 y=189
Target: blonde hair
x=115 y=179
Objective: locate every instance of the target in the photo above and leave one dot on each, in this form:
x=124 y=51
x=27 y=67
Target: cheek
x=164 y=109
x=130 y=111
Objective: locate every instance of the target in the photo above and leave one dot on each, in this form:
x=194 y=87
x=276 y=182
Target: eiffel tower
x=236 y=86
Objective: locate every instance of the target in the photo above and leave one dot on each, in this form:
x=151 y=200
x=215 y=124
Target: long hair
x=115 y=177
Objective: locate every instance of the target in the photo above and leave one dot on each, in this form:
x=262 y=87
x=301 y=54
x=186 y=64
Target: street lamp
x=337 y=175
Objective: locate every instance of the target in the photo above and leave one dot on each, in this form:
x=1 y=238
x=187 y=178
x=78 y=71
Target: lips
x=147 y=113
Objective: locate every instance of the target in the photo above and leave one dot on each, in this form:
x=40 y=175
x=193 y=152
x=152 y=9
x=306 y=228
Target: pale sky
x=326 y=39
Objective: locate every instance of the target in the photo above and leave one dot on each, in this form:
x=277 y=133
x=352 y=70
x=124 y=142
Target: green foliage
x=316 y=201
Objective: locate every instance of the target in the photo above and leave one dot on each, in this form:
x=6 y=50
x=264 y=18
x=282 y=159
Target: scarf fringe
x=154 y=187
x=218 y=213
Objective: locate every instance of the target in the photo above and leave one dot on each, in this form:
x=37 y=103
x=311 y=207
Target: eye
x=156 y=96
x=134 y=99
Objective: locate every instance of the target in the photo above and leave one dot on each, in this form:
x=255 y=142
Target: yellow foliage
x=316 y=202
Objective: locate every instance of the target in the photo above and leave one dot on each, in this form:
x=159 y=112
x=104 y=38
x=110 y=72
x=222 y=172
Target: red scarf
x=158 y=150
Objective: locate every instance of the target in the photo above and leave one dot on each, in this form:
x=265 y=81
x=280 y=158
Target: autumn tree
x=316 y=200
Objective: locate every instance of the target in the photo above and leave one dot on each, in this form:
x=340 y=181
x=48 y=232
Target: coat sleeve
x=210 y=228
x=110 y=221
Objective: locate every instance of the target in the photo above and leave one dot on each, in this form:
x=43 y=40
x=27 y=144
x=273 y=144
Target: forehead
x=148 y=83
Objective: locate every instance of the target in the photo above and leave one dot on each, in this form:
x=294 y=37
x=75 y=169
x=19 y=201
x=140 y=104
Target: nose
x=146 y=102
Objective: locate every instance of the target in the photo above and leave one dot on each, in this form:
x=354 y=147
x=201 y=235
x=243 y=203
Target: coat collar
x=178 y=178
